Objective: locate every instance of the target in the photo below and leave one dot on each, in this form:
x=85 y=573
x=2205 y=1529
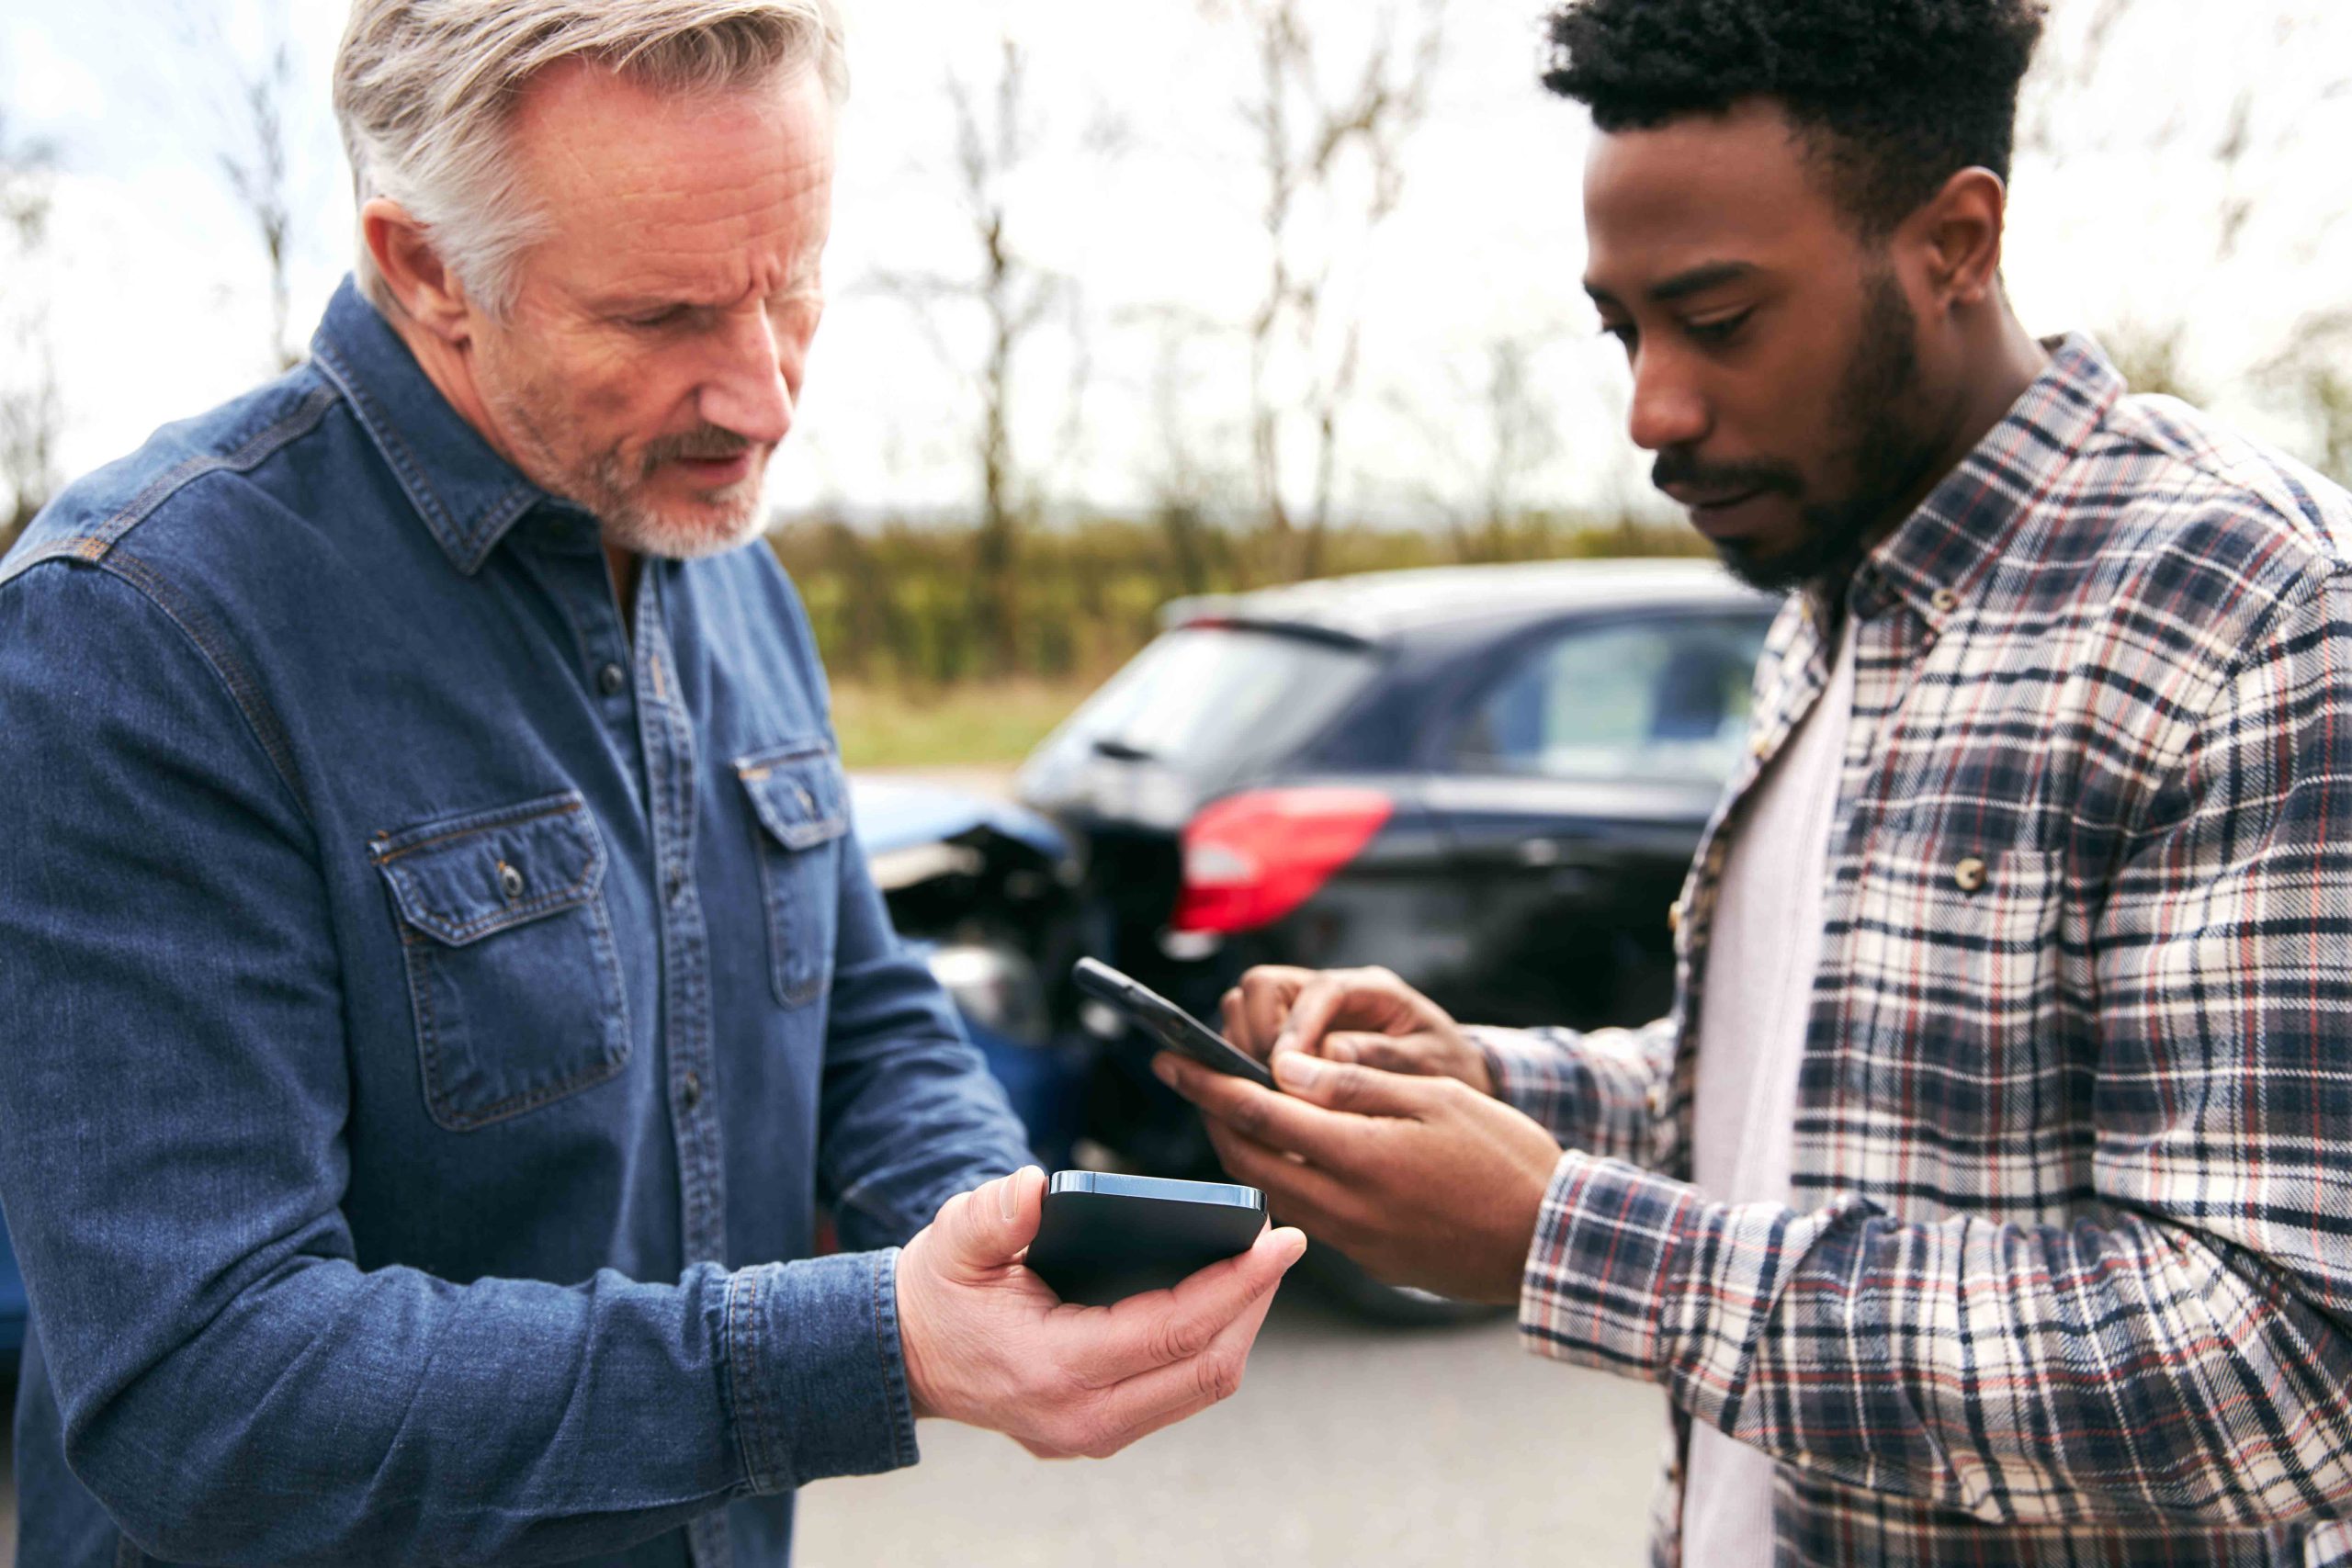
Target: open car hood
x=893 y=813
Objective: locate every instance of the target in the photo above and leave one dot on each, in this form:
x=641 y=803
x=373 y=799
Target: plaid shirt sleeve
x=1605 y=1091
x=2183 y=1347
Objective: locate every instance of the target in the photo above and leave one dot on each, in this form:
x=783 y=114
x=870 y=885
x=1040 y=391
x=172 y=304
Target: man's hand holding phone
x=988 y=1344
x=1386 y=1140
x=1367 y=1016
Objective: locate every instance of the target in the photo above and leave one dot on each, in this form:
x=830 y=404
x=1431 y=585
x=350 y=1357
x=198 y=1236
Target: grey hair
x=423 y=90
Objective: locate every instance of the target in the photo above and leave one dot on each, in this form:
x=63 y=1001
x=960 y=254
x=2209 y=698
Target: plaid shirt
x=2069 y=1278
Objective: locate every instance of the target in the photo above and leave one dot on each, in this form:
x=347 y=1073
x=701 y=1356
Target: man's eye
x=656 y=319
x=1718 y=332
x=1621 y=331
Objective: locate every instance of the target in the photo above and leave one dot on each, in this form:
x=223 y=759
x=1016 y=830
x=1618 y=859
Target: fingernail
x=1164 y=1070
x=1298 y=1068
x=1294 y=1247
x=1005 y=1190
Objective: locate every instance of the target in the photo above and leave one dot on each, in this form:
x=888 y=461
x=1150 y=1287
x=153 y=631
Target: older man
x=441 y=981
x=1983 y=1200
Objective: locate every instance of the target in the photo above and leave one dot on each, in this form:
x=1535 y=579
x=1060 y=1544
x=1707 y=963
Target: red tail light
x=1251 y=859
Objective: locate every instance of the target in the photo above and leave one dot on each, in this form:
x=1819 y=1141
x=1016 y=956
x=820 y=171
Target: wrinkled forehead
x=1740 y=184
x=666 y=179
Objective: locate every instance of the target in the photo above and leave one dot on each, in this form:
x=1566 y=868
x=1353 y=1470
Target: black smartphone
x=1168 y=1024
x=1103 y=1238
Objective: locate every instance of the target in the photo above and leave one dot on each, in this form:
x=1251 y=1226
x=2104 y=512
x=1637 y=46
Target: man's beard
x=614 y=489
x=1885 y=451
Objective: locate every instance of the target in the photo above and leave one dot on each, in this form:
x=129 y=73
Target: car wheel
x=1340 y=1280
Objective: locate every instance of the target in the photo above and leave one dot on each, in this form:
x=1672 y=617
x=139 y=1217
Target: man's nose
x=1669 y=409
x=748 y=391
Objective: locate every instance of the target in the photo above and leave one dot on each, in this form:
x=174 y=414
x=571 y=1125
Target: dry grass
x=973 y=724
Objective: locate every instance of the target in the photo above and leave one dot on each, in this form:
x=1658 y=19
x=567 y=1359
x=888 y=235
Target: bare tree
x=1182 y=483
x=1483 y=464
x=2090 y=97
x=253 y=98
x=998 y=135
x=32 y=413
x=2311 y=380
x=257 y=175
x=1329 y=137
x=1522 y=434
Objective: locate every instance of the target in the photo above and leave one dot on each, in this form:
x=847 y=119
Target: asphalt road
x=1348 y=1447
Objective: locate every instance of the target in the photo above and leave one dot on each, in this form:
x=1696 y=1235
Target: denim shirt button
x=690 y=1091
x=612 y=679
x=677 y=882
x=509 y=882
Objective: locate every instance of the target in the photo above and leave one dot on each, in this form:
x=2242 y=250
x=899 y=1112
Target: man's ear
x=1956 y=237
x=427 y=291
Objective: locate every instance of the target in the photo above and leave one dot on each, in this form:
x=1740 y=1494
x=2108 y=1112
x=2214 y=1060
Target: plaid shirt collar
x=1935 y=558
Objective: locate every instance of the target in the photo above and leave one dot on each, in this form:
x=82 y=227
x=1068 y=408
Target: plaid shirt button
x=1944 y=600
x=1969 y=875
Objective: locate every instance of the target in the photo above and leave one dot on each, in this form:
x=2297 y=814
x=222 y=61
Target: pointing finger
x=1293 y=1123
x=1352 y=1087
x=1266 y=994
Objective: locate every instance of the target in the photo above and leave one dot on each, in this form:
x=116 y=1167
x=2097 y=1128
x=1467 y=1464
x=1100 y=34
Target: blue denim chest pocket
x=512 y=969
x=800 y=800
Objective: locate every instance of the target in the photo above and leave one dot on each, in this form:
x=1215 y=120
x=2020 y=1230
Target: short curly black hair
x=1898 y=95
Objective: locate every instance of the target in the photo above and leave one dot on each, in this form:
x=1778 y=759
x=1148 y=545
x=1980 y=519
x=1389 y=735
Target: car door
x=1573 y=788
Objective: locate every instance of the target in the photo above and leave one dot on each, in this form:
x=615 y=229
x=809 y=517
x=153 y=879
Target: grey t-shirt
x=1765 y=948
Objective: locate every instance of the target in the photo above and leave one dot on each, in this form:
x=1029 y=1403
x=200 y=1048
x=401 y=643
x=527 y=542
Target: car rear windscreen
x=1212 y=704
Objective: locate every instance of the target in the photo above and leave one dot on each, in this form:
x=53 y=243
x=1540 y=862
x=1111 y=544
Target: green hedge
x=896 y=605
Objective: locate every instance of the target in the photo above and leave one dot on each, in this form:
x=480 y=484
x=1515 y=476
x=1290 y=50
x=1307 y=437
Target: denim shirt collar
x=1933 y=561
x=464 y=492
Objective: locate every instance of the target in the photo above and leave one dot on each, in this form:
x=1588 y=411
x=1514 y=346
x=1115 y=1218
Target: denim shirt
x=433 y=1015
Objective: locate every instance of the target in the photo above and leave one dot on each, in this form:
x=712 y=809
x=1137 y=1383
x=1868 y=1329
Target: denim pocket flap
x=798 y=795
x=459 y=880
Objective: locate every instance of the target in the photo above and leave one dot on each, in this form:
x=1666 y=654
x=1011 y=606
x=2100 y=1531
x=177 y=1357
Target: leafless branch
x=31 y=410
x=254 y=102
x=1310 y=141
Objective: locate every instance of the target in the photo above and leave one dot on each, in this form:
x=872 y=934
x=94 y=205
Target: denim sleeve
x=173 y=1098
x=911 y=1114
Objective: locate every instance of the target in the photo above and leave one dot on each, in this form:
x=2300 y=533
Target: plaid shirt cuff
x=1600 y=1092
x=1528 y=1070
x=1640 y=1274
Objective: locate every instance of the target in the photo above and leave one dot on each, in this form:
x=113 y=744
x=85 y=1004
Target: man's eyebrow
x=1698 y=279
x=1681 y=286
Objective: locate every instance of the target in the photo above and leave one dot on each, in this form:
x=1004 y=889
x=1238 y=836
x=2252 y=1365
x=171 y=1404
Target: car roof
x=1377 y=606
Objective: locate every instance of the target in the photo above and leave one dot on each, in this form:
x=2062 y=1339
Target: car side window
x=1663 y=700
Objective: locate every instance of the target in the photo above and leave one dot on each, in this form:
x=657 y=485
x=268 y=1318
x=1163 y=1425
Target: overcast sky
x=159 y=307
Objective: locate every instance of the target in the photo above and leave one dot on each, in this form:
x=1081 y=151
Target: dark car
x=1488 y=779
x=987 y=892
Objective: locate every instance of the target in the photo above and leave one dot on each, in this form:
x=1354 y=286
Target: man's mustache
x=704 y=441
x=1676 y=466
